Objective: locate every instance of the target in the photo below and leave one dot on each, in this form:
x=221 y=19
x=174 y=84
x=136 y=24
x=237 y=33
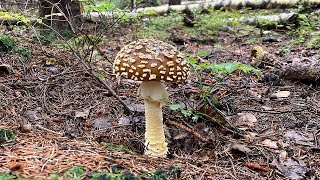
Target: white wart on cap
x=150 y=60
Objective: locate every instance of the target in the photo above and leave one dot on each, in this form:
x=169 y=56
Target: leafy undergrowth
x=227 y=121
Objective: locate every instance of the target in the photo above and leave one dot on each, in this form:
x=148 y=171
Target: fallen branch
x=189 y=130
x=302 y=72
x=283 y=19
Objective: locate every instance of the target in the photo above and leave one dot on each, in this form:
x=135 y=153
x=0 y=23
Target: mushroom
x=152 y=61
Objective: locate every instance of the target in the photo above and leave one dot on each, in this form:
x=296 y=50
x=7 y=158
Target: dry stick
x=234 y=129
x=189 y=130
x=275 y=112
x=43 y=128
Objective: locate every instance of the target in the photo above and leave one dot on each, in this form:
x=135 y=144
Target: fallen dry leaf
x=101 y=123
x=181 y=135
x=32 y=115
x=289 y=167
x=82 y=114
x=240 y=147
x=136 y=107
x=298 y=138
x=269 y=143
x=250 y=136
x=245 y=119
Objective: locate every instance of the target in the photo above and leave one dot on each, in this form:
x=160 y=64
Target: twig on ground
x=274 y=112
x=234 y=128
x=189 y=130
x=45 y=129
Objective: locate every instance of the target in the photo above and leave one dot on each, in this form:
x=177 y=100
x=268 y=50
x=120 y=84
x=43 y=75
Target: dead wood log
x=302 y=72
x=283 y=19
x=217 y=4
x=231 y=4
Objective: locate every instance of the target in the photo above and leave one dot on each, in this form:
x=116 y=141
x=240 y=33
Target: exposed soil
x=65 y=106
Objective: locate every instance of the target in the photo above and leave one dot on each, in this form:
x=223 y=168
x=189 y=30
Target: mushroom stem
x=154 y=95
x=154 y=136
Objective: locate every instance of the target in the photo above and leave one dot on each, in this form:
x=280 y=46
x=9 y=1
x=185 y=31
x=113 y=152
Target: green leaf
x=74 y=173
x=204 y=65
x=203 y=53
x=217 y=68
x=195 y=117
x=231 y=67
x=186 y=112
x=174 y=106
x=248 y=68
x=193 y=60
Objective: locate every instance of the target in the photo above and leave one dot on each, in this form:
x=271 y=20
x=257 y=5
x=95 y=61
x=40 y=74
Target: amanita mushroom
x=152 y=61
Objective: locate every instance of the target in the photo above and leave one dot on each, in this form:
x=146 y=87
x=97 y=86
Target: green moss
x=314 y=43
x=158 y=26
x=75 y=173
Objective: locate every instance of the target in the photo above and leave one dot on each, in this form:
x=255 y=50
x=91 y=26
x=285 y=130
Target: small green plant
x=217 y=20
x=158 y=26
x=100 y=175
x=53 y=176
x=203 y=53
x=174 y=172
x=75 y=173
x=314 y=43
x=24 y=52
x=104 y=6
x=6 y=43
x=115 y=147
x=6 y=135
x=160 y=175
x=5 y=176
x=220 y=71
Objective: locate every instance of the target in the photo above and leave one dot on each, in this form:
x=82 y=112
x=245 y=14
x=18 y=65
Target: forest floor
x=67 y=124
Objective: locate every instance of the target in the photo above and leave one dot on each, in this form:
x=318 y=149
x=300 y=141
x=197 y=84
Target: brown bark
x=69 y=13
x=302 y=72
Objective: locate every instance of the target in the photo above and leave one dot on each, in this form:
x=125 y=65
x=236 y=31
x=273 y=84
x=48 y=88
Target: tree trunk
x=174 y=2
x=60 y=14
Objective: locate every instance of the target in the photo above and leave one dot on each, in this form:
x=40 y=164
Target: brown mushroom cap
x=150 y=60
